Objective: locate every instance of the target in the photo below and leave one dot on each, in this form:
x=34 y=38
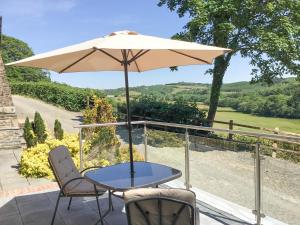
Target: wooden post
x=230 y=136
x=275 y=145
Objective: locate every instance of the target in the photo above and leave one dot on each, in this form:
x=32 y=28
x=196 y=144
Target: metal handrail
x=246 y=133
x=108 y=124
x=258 y=183
x=278 y=137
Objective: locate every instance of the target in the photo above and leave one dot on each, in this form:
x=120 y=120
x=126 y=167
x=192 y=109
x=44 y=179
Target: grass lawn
x=289 y=125
x=226 y=114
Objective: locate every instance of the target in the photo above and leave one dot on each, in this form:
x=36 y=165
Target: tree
x=266 y=32
x=58 y=131
x=39 y=128
x=100 y=112
x=28 y=134
x=13 y=49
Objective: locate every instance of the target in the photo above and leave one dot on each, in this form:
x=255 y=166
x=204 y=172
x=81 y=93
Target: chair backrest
x=155 y=206
x=62 y=165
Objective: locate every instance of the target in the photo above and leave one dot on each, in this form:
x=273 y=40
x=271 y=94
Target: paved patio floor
x=12 y=183
x=37 y=209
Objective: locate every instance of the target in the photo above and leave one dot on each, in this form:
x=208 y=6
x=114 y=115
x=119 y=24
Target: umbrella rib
x=133 y=57
x=138 y=55
x=111 y=56
x=127 y=54
x=77 y=61
x=180 y=53
x=135 y=62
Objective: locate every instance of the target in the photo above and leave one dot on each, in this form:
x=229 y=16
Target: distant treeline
x=282 y=99
x=157 y=109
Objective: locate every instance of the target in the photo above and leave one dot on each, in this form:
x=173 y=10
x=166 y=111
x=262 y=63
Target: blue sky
x=49 y=24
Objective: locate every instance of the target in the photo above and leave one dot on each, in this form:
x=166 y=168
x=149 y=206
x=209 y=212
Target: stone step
x=10 y=147
x=6 y=116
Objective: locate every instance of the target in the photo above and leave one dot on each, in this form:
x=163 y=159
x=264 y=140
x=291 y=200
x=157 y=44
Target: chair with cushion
x=70 y=180
x=156 y=206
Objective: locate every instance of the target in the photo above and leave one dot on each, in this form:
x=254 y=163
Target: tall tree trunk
x=220 y=66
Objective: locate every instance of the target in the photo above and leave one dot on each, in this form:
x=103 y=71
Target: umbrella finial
x=126 y=32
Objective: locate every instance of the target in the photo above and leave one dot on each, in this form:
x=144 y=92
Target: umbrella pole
x=128 y=114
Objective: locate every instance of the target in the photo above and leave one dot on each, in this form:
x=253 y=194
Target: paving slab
x=12 y=183
x=8 y=207
x=11 y=220
x=37 y=209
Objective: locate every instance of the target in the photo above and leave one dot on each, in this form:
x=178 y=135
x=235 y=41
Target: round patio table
x=119 y=178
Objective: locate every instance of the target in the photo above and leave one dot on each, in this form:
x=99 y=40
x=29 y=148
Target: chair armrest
x=77 y=178
x=92 y=167
x=118 y=194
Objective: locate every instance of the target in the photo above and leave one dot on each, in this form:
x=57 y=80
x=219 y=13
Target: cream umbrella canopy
x=124 y=51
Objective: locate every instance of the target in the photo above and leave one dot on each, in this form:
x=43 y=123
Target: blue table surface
x=119 y=178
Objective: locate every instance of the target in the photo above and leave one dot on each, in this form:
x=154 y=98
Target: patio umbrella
x=124 y=51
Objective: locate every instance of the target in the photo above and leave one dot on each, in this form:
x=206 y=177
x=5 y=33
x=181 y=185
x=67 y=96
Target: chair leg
x=98 y=205
x=111 y=206
x=55 y=210
x=70 y=201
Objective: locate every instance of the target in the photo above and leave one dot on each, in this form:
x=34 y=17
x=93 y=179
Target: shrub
x=70 y=98
x=58 y=131
x=122 y=154
x=39 y=128
x=29 y=135
x=100 y=112
x=34 y=161
x=160 y=139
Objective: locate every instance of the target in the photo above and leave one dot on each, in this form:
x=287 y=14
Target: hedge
x=70 y=98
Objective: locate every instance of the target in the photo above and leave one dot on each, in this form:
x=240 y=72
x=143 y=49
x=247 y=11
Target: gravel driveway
x=230 y=175
x=28 y=106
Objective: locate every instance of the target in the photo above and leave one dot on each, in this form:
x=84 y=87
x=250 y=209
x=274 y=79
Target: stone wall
x=5 y=93
x=10 y=132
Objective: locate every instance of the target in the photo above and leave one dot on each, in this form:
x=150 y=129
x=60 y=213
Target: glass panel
x=137 y=141
x=99 y=146
x=105 y=146
x=225 y=169
x=281 y=181
x=167 y=148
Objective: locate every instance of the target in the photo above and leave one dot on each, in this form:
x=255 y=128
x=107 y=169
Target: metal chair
x=156 y=206
x=70 y=180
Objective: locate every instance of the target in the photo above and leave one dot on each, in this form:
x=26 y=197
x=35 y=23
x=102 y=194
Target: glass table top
x=119 y=178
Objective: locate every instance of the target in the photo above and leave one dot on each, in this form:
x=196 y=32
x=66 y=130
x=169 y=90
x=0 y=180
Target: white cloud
x=35 y=8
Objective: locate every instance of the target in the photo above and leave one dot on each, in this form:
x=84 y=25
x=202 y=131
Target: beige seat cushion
x=65 y=170
x=82 y=187
x=169 y=209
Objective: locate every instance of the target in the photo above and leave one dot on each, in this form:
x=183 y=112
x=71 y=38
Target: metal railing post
x=187 y=160
x=80 y=149
x=258 y=188
x=145 y=142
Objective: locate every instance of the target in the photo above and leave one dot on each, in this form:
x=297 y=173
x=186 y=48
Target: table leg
x=110 y=205
x=98 y=205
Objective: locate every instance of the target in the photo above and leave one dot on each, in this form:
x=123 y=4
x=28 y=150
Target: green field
x=225 y=114
x=289 y=125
